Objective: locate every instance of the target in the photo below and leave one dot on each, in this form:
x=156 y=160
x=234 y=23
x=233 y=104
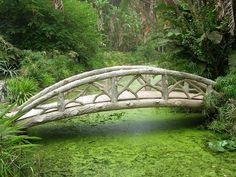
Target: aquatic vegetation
x=222 y=145
x=140 y=142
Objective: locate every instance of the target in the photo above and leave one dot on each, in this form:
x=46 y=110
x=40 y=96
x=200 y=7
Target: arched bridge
x=114 y=88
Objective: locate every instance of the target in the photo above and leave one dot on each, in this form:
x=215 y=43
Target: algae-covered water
x=139 y=142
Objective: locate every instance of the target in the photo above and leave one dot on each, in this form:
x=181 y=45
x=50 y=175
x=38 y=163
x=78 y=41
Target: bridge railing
x=116 y=84
x=77 y=77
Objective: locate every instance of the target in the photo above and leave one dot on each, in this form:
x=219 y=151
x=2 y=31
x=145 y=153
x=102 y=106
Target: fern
x=225 y=9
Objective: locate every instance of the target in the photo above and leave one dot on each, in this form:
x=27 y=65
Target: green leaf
x=222 y=145
x=232 y=61
x=215 y=37
x=203 y=36
x=216 y=146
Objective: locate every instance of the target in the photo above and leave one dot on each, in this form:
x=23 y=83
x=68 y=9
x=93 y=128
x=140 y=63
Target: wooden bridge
x=115 y=88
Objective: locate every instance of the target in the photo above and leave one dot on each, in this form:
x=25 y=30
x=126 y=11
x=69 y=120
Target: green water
x=140 y=142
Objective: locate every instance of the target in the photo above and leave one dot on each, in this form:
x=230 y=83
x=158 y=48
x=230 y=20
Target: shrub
x=48 y=68
x=13 y=147
x=114 y=58
x=9 y=58
x=222 y=107
x=36 y=25
x=20 y=89
x=200 y=35
x=227 y=85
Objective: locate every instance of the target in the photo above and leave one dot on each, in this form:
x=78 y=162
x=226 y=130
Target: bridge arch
x=114 y=88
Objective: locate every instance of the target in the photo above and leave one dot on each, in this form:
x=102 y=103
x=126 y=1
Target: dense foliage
x=200 y=36
x=20 y=89
x=115 y=58
x=221 y=110
x=125 y=24
x=222 y=106
x=48 y=68
x=9 y=59
x=36 y=25
x=13 y=147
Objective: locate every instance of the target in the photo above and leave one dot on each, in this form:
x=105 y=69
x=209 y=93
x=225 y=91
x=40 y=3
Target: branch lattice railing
x=115 y=88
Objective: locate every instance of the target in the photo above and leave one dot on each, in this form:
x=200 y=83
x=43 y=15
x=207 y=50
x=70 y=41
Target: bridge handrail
x=101 y=74
x=77 y=77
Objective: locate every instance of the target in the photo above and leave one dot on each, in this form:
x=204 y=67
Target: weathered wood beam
x=108 y=106
x=77 y=77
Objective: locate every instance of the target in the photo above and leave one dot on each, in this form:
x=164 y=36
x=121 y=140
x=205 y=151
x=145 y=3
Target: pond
x=127 y=143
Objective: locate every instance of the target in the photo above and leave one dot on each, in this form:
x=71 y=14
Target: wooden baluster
x=61 y=102
x=114 y=90
x=148 y=79
x=108 y=85
x=186 y=86
x=164 y=81
x=141 y=82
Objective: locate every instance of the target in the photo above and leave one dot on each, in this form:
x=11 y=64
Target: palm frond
x=225 y=9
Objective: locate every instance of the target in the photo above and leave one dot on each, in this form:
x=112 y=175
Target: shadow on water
x=67 y=129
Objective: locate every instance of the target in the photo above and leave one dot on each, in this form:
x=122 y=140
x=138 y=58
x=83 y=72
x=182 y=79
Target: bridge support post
x=114 y=90
x=165 y=93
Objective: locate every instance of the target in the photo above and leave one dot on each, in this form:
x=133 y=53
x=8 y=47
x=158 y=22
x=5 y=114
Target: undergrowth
x=221 y=110
x=14 y=145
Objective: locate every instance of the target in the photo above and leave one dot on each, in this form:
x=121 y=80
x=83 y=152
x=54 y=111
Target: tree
x=225 y=8
x=36 y=25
